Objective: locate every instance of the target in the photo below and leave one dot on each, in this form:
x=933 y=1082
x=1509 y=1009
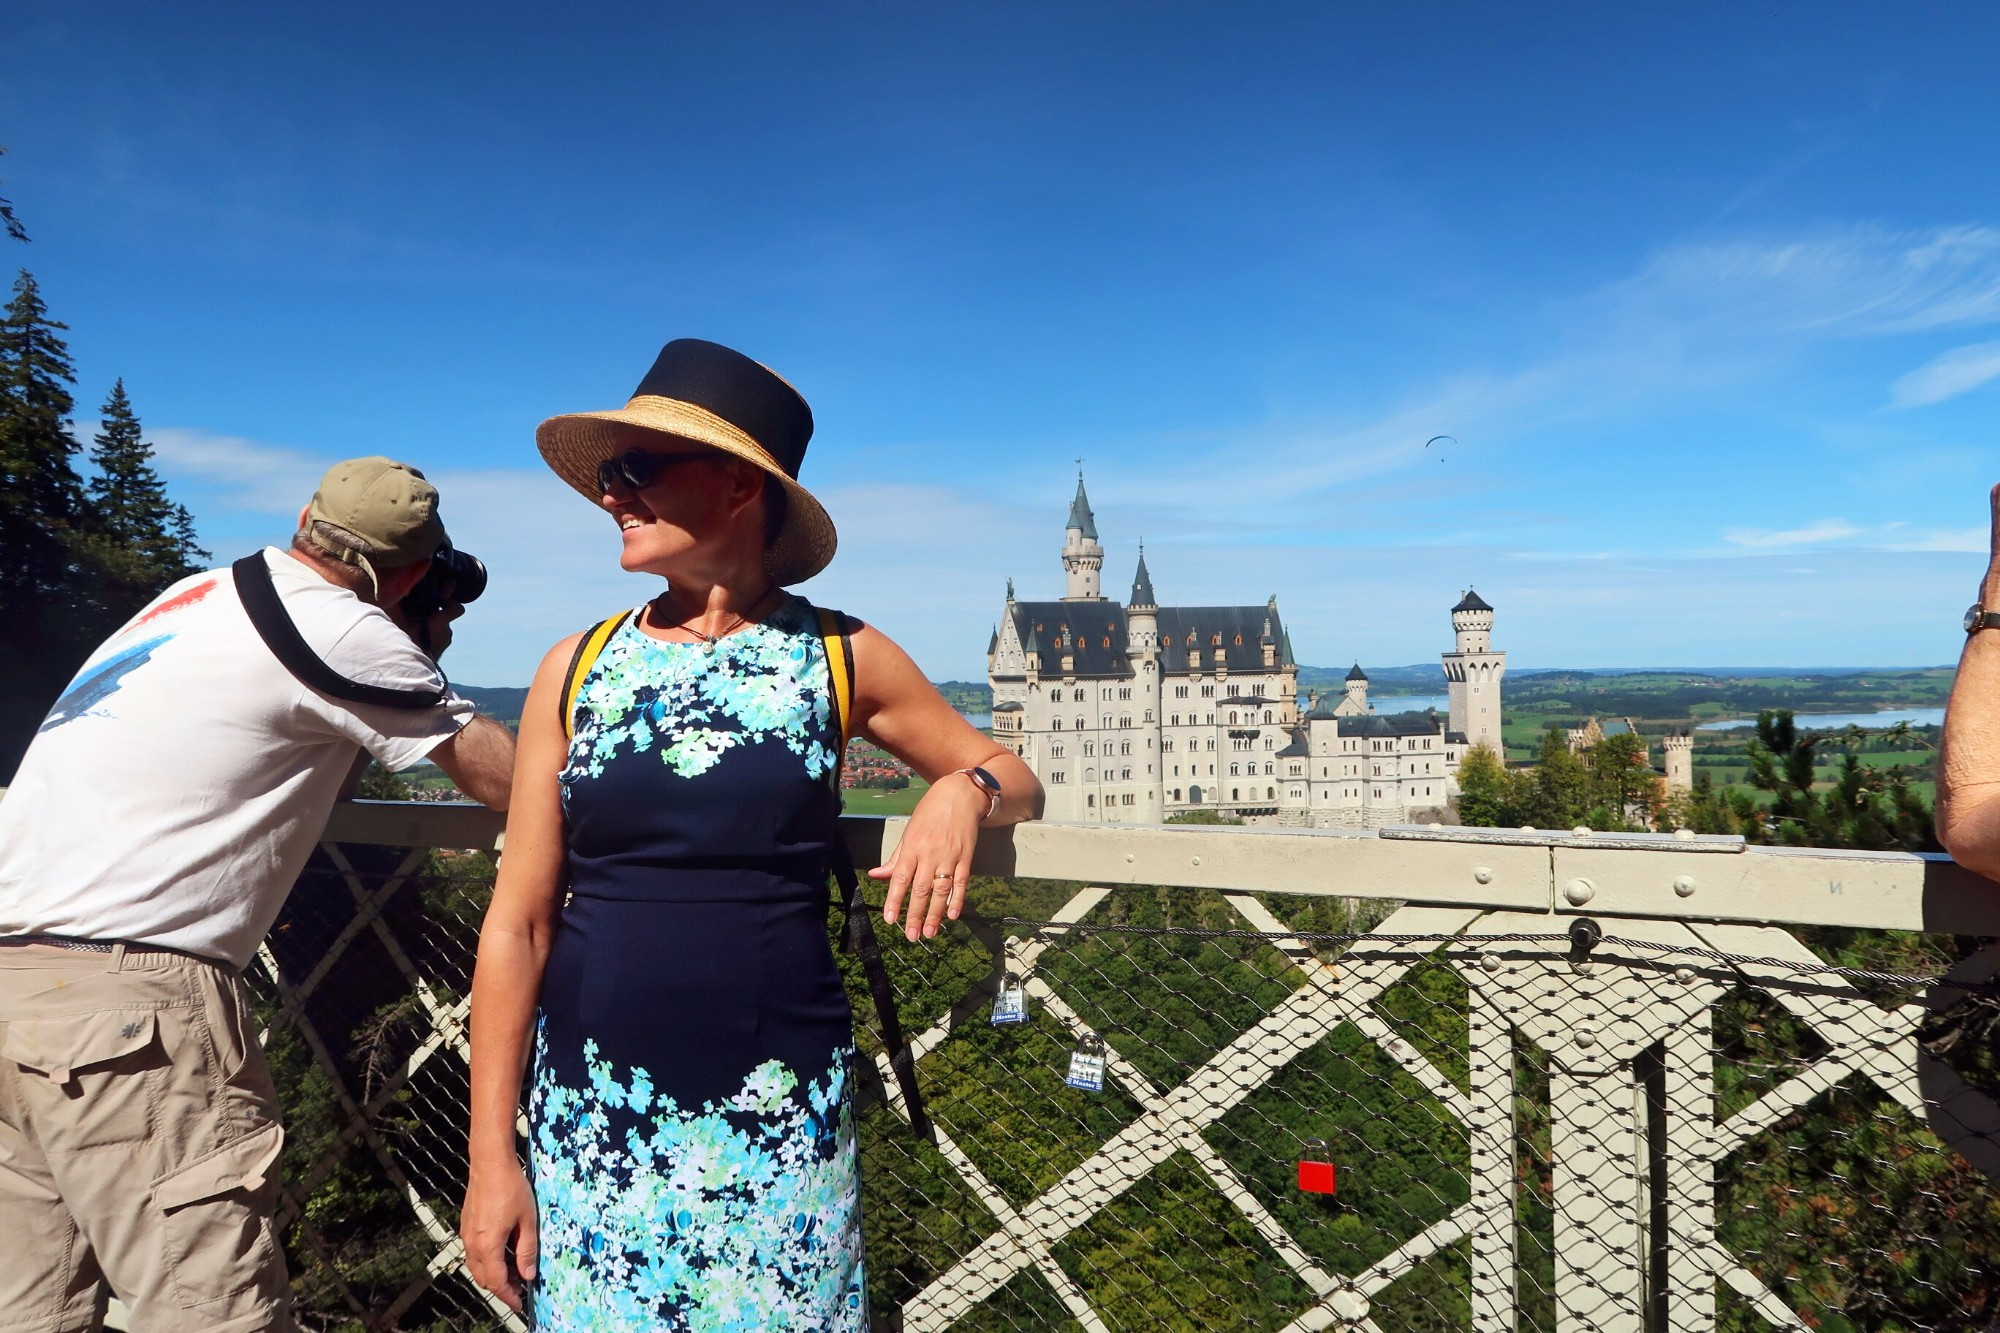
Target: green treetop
x=41 y=495
x=140 y=540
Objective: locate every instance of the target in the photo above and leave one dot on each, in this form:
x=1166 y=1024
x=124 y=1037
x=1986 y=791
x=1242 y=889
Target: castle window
x=1058 y=776
x=1180 y=691
x=1215 y=640
x=1239 y=640
x=1127 y=800
x=1267 y=715
x=1208 y=692
x=1235 y=794
x=1232 y=717
x=1055 y=724
x=1270 y=742
x=1079 y=724
x=1091 y=800
x=1090 y=775
x=1270 y=793
x=1124 y=747
x=1233 y=770
x=1176 y=719
x=1125 y=775
x=1234 y=690
x=1090 y=747
x=1149 y=715
x=1107 y=641
x=1056 y=751
x=1124 y=693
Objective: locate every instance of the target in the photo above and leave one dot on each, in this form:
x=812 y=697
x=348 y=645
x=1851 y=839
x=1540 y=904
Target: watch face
x=1973 y=616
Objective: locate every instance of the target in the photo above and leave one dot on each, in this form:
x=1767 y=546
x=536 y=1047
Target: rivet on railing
x=1579 y=891
x=1580 y=831
x=1196 y=861
x=1129 y=858
x=1586 y=1038
x=1490 y=961
x=1684 y=886
x=1683 y=835
x=1684 y=975
x=1482 y=874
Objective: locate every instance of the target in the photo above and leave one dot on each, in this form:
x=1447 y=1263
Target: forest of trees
x=1610 y=787
x=87 y=535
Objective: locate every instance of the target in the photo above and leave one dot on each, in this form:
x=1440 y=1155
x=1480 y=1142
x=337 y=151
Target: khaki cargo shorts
x=139 y=1142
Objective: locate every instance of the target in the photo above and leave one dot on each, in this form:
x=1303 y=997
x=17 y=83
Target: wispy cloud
x=239 y=473
x=1763 y=539
x=1958 y=371
x=1861 y=280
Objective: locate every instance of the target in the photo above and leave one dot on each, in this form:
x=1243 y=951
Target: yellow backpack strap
x=840 y=672
x=587 y=650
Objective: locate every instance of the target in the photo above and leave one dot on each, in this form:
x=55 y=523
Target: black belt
x=859 y=937
x=102 y=946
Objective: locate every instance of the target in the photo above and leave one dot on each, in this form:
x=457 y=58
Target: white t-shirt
x=177 y=787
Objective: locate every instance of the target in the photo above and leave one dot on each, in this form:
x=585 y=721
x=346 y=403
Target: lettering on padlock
x=1316 y=1168
x=1011 y=1004
x=1086 y=1064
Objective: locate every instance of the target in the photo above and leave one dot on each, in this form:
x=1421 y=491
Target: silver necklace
x=708 y=641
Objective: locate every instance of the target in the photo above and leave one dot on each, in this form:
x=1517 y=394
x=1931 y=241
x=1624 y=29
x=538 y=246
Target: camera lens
x=453 y=576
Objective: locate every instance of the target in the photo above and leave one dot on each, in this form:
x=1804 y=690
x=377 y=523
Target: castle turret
x=1082 y=557
x=1680 y=761
x=1472 y=673
x=1357 y=689
x=1142 y=619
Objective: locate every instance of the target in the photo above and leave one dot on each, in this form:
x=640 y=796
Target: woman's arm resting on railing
x=1968 y=804
x=514 y=944
x=901 y=711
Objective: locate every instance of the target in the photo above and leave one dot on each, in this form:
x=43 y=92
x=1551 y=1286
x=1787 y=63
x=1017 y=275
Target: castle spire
x=1080 y=517
x=1142 y=583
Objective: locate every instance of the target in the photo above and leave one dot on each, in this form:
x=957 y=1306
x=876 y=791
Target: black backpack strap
x=274 y=626
x=857 y=935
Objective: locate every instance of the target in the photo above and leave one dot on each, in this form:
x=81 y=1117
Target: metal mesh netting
x=1523 y=1134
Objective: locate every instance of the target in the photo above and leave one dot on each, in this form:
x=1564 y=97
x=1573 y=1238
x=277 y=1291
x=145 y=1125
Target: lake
x=1888 y=717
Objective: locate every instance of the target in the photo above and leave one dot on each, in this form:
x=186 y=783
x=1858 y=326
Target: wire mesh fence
x=1729 y=1129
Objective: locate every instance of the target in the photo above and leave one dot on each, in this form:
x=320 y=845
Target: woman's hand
x=934 y=859
x=500 y=1211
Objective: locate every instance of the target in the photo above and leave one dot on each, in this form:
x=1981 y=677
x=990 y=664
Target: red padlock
x=1316 y=1168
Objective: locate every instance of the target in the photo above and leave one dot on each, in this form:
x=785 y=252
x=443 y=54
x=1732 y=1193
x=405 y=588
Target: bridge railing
x=1563 y=1082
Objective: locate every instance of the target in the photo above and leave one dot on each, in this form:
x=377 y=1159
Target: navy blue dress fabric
x=691 y=1130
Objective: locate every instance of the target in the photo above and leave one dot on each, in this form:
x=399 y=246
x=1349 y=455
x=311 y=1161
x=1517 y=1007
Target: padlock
x=1011 y=1004
x=1086 y=1064
x=1316 y=1168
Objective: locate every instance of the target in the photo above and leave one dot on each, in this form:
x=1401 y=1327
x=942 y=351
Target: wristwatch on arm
x=1978 y=618
x=987 y=784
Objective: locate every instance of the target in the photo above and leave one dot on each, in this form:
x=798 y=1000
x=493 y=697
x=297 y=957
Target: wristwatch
x=986 y=783
x=1978 y=618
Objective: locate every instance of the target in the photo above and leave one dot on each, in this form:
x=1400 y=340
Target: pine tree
x=41 y=505
x=139 y=541
x=41 y=496
x=8 y=222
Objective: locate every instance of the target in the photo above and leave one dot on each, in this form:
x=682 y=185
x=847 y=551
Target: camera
x=453 y=576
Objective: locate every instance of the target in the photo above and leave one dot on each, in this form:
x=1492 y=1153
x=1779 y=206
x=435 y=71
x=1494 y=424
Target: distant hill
x=500 y=702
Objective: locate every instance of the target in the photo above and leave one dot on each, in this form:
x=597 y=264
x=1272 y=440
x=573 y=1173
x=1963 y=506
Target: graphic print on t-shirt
x=93 y=687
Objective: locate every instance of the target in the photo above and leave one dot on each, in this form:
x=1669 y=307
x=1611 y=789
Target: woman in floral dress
x=687 y=1042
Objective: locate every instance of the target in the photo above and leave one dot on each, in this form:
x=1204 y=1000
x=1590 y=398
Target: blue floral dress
x=691 y=1132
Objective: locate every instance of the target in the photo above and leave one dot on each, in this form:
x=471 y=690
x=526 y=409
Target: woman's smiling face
x=693 y=500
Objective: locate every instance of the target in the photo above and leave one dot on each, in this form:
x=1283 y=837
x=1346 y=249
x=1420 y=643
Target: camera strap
x=274 y=626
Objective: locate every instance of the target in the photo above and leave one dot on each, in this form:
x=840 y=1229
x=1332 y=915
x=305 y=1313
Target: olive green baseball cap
x=386 y=508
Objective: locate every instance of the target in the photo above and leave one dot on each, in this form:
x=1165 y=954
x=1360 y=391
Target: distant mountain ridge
x=505 y=702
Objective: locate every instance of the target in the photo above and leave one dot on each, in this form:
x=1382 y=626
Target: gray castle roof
x=1472 y=601
x=1395 y=724
x=1142 y=584
x=1097 y=635
x=1298 y=748
x=1357 y=673
x=1079 y=512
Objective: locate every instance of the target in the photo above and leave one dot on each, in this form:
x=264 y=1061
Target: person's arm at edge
x=897 y=708
x=479 y=758
x=514 y=942
x=1968 y=792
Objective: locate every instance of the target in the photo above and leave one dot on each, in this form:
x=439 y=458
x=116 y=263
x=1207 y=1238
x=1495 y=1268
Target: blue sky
x=1707 y=297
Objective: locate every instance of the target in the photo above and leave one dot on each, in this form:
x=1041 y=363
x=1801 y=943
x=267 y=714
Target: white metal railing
x=1638 y=1137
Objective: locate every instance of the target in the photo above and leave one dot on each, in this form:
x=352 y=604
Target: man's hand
x=433 y=632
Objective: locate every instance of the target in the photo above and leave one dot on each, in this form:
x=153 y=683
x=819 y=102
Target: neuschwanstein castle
x=1131 y=713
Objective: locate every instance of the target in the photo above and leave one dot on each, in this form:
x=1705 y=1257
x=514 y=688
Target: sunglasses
x=636 y=467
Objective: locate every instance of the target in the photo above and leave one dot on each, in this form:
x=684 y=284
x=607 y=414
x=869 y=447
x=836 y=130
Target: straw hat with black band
x=704 y=393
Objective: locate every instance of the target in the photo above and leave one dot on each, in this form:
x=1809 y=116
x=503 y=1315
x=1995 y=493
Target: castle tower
x=1472 y=673
x=1082 y=557
x=1142 y=649
x=1356 y=702
x=1680 y=761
